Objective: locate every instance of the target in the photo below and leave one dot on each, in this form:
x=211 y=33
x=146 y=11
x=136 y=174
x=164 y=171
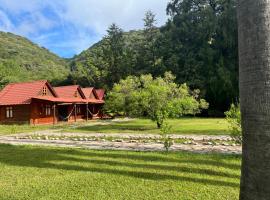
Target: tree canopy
x=156 y=98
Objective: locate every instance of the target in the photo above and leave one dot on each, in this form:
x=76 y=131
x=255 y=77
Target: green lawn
x=208 y=126
x=58 y=173
x=12 y=129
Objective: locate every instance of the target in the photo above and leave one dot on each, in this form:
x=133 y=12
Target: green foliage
x=22 y=60
x=167 y=140
x=201 y=44
x=156 y=98
x=233 y=116
x=198 y=45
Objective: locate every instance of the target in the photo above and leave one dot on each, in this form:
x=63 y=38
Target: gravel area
x=132 y=142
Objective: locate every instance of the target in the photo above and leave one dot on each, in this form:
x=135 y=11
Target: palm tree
x=254 y=60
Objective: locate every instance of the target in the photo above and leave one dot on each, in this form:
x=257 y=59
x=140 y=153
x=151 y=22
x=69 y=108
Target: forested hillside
x=198 y=45
x=22 y=60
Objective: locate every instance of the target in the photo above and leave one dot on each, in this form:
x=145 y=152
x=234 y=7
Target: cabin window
x=9 y=112
x=48 y=110
x=44 y=91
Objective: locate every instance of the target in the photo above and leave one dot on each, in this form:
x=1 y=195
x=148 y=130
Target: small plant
x=233 y=117
x=13 y=129
x=167 y=140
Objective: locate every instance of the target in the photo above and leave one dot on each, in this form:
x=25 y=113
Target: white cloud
x=98 y=15
x=83 y=21
x=5 y=23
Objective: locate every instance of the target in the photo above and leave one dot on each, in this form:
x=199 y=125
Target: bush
x=233 y=117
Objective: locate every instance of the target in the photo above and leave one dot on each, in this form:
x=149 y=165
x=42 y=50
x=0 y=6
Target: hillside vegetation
x=22 y=60
x=198 y=44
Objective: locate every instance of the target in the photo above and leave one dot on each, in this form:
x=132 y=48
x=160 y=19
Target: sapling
x=233 y=117
x=167 y=140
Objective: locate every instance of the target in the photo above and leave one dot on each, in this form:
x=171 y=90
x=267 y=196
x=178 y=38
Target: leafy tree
x=156 y=98
x=199 y=45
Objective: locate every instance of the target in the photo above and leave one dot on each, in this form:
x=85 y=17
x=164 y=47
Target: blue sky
x=66 y=27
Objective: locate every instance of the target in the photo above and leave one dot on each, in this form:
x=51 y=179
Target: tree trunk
x=254 y=60
x=159 y=125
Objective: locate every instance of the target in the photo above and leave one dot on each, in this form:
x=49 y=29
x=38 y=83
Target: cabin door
x=63 y=113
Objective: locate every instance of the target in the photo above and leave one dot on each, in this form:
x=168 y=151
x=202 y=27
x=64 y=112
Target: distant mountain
x=21 y=59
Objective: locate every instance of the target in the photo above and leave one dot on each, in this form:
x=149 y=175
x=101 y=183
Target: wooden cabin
x=39 y=103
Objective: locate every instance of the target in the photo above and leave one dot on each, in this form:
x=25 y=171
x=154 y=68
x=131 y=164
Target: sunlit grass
x=59 y=173
x=207 y=126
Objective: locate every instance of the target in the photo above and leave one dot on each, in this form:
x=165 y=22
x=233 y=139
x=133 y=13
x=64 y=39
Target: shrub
x=167 y=140
x=233 y=117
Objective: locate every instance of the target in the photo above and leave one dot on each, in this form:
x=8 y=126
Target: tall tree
x=147 y=58
x=254 y=51
x=114 y=54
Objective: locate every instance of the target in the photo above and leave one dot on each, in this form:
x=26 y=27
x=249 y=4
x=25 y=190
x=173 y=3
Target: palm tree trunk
x=254 y=60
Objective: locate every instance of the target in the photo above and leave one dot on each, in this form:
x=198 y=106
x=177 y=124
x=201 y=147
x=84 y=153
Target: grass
x=207 y=126
x=25 y=128
x=29 y=172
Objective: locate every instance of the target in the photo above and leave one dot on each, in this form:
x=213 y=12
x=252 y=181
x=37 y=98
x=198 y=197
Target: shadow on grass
x=116 y=127
x=146 y=128
x=53 y=158
x=213 y=162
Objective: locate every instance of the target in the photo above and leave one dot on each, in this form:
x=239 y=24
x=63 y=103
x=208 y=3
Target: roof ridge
x=67 y=86
x=27 y=82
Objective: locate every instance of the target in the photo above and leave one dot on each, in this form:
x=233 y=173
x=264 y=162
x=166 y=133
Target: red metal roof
x=87 y=92
x=21 y=93
x=100 y=93
x=69 y=91
x=68 y=100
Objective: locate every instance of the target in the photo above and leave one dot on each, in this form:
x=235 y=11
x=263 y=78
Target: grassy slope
x=54 y=173
x=208 y=126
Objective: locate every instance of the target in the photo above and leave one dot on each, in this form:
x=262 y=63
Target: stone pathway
x=199 y=143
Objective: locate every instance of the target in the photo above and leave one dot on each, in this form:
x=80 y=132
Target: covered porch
x=51 y=110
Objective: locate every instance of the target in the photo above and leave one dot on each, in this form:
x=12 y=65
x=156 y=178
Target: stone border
x=123 y=145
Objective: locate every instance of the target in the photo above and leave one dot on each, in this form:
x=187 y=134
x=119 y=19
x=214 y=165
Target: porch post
x=75 y=107
x=86 y=111
x=54 y=114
